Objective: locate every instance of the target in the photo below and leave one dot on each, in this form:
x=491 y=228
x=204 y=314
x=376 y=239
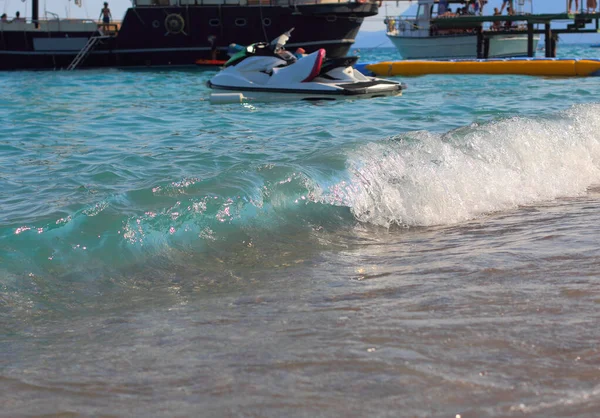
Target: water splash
x=425 y=178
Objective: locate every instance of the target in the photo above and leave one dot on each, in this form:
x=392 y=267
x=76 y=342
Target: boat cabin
x=441 y=17
x=421 y=25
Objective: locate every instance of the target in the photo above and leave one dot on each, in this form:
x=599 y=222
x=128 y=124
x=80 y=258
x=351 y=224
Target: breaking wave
x=415 y=179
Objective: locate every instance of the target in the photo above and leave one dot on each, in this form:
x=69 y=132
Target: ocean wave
x=415 y=179
x=425 y=178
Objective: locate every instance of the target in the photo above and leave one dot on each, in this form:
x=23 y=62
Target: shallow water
x=428 y=255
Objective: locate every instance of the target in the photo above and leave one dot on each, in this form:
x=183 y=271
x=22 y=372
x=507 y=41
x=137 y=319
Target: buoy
x=226 y=98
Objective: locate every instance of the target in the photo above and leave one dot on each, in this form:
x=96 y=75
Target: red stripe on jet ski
x=317 y=66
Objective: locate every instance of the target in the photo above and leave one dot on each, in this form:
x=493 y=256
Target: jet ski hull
x=316 y=91
x=268 y=97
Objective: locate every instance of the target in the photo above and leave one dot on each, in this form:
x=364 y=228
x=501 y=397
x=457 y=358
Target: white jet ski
x=266 y=72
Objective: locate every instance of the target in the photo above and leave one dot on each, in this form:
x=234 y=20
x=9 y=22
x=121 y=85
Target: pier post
x=554 y=42
x=548 y=36
x=480 y=42
x=530 y=51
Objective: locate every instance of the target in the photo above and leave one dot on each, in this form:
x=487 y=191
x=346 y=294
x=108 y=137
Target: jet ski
x=267 y=72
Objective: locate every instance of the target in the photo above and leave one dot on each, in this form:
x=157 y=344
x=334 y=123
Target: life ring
x=362 y=1
x=174 y=23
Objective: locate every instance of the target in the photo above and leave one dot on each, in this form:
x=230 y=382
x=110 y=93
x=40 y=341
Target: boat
x=210 y=63
x=267 y=72
x=158 y=33
x=436 y=32
x=545 y=67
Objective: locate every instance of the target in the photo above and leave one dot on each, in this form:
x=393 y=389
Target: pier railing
x=290 y=3
x=413 y=26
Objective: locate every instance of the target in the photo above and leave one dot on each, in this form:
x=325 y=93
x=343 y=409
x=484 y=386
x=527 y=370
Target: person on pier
x=576 y=6
x=510 y=9
x=481 y=4
x=591 y=6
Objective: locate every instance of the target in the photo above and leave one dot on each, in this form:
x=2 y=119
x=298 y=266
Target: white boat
x=265 y=72
x=420 y=38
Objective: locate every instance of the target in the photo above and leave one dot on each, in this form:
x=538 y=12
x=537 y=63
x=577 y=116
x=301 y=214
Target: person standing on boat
x=472 y=7
x=508 y=23
x=105 y=15
x=18 y=17
x=497 y=25
x=3 y=18
x=591 y=6
x=390 y=23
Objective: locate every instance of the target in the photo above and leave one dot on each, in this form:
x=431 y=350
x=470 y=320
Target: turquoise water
x=435 y=252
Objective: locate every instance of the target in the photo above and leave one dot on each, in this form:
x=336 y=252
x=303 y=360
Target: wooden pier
x=579 y=23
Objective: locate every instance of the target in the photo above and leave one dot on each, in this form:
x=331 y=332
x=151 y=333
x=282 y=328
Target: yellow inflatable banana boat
x=534 y=67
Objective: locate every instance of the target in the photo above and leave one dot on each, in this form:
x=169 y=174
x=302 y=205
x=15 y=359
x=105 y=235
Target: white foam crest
x=572 y=398
x=431 y=179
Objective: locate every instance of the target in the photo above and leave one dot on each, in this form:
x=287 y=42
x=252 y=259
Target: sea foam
x=424 y=178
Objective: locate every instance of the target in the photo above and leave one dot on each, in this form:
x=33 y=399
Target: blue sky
x=91 y=8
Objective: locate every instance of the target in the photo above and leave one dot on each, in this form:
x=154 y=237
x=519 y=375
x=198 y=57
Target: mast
x=35 y=15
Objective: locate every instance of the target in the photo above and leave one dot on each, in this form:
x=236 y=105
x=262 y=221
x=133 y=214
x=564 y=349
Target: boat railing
x=289 y=3
x=402 y=26
x=56 y=24
x=407 y=26
x=16 y=26
x=70 y=25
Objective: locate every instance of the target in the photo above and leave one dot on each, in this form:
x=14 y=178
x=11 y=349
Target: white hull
x=270 y=78
x=233 y=96
x=460 y=46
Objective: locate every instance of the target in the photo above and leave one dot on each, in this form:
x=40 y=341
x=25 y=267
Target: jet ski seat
x=318 y=63
x=302 y=71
